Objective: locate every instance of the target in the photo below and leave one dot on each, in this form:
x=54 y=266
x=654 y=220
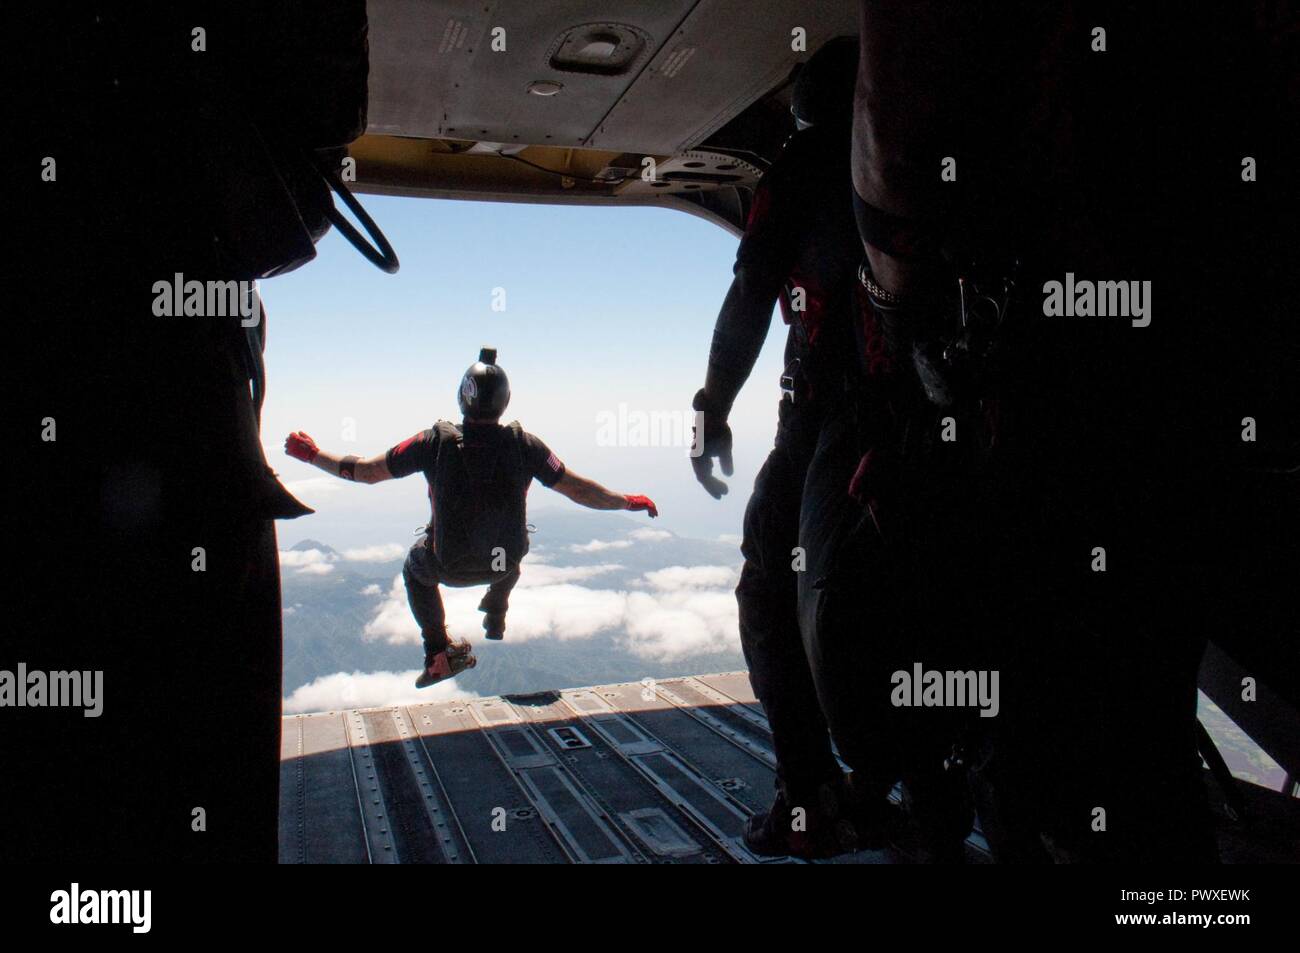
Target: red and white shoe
x=448 y=663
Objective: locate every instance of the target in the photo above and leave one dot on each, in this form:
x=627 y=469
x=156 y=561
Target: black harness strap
x=900 y=238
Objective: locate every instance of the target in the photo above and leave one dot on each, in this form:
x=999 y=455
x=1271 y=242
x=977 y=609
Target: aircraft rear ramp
x=663 y=772
x=657 y=772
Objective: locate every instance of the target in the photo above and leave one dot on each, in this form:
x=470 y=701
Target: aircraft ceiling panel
x=435 y=74
x=725 y=56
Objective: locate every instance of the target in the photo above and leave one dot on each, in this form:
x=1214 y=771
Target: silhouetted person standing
x=799 y=247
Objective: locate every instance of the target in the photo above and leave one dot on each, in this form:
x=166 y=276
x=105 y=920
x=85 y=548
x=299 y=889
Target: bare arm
x=373 y=470
x=907 y=88
x=591 y=494
x=738 y=336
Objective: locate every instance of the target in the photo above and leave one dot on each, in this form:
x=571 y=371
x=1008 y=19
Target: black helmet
x=823 y=90
x=484 y=390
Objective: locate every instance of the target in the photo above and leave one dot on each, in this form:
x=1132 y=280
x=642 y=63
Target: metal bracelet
x=878 y=294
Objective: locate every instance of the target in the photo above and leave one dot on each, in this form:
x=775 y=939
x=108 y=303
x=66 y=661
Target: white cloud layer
x=688 y=610
x=544 y=574
x=368 y=690
x=384 y=553
x=644 y=535
x=297 y=558
x=316 y=562
x=692 y=577
x=650 y=535
x=314 y=486
x=671 y=625
x=307 y=562
x=316 y=569
x=599 y=545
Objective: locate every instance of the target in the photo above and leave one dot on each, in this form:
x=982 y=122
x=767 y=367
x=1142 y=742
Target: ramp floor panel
x=663 y=772
x=611 y=774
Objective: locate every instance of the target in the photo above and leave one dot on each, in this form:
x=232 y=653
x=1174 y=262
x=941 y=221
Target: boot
x=820 y=832
x=449 y=663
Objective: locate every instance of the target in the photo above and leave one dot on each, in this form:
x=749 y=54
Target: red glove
x=642 y=503
x=301 y=447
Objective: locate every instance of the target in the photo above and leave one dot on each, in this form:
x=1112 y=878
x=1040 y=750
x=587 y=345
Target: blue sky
x=603 y=307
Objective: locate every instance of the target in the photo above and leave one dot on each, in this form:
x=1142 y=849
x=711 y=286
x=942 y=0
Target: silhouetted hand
x=715 y=442
x=635 y=502
x=301 y=447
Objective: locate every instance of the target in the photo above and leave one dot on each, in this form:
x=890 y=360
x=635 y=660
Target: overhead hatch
x=606 y=49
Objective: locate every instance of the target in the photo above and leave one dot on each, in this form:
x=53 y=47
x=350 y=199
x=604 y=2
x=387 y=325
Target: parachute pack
x=479 y=499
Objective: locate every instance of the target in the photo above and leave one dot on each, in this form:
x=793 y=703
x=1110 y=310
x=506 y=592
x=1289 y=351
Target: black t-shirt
x=419 y=453
x=801 y=227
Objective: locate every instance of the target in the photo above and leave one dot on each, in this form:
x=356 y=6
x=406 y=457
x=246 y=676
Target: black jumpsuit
x=801 y=229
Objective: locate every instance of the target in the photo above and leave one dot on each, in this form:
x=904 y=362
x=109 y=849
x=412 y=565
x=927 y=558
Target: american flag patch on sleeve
x=554 y=463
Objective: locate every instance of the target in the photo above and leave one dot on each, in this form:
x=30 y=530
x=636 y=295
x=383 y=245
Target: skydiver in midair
x=478 y=474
